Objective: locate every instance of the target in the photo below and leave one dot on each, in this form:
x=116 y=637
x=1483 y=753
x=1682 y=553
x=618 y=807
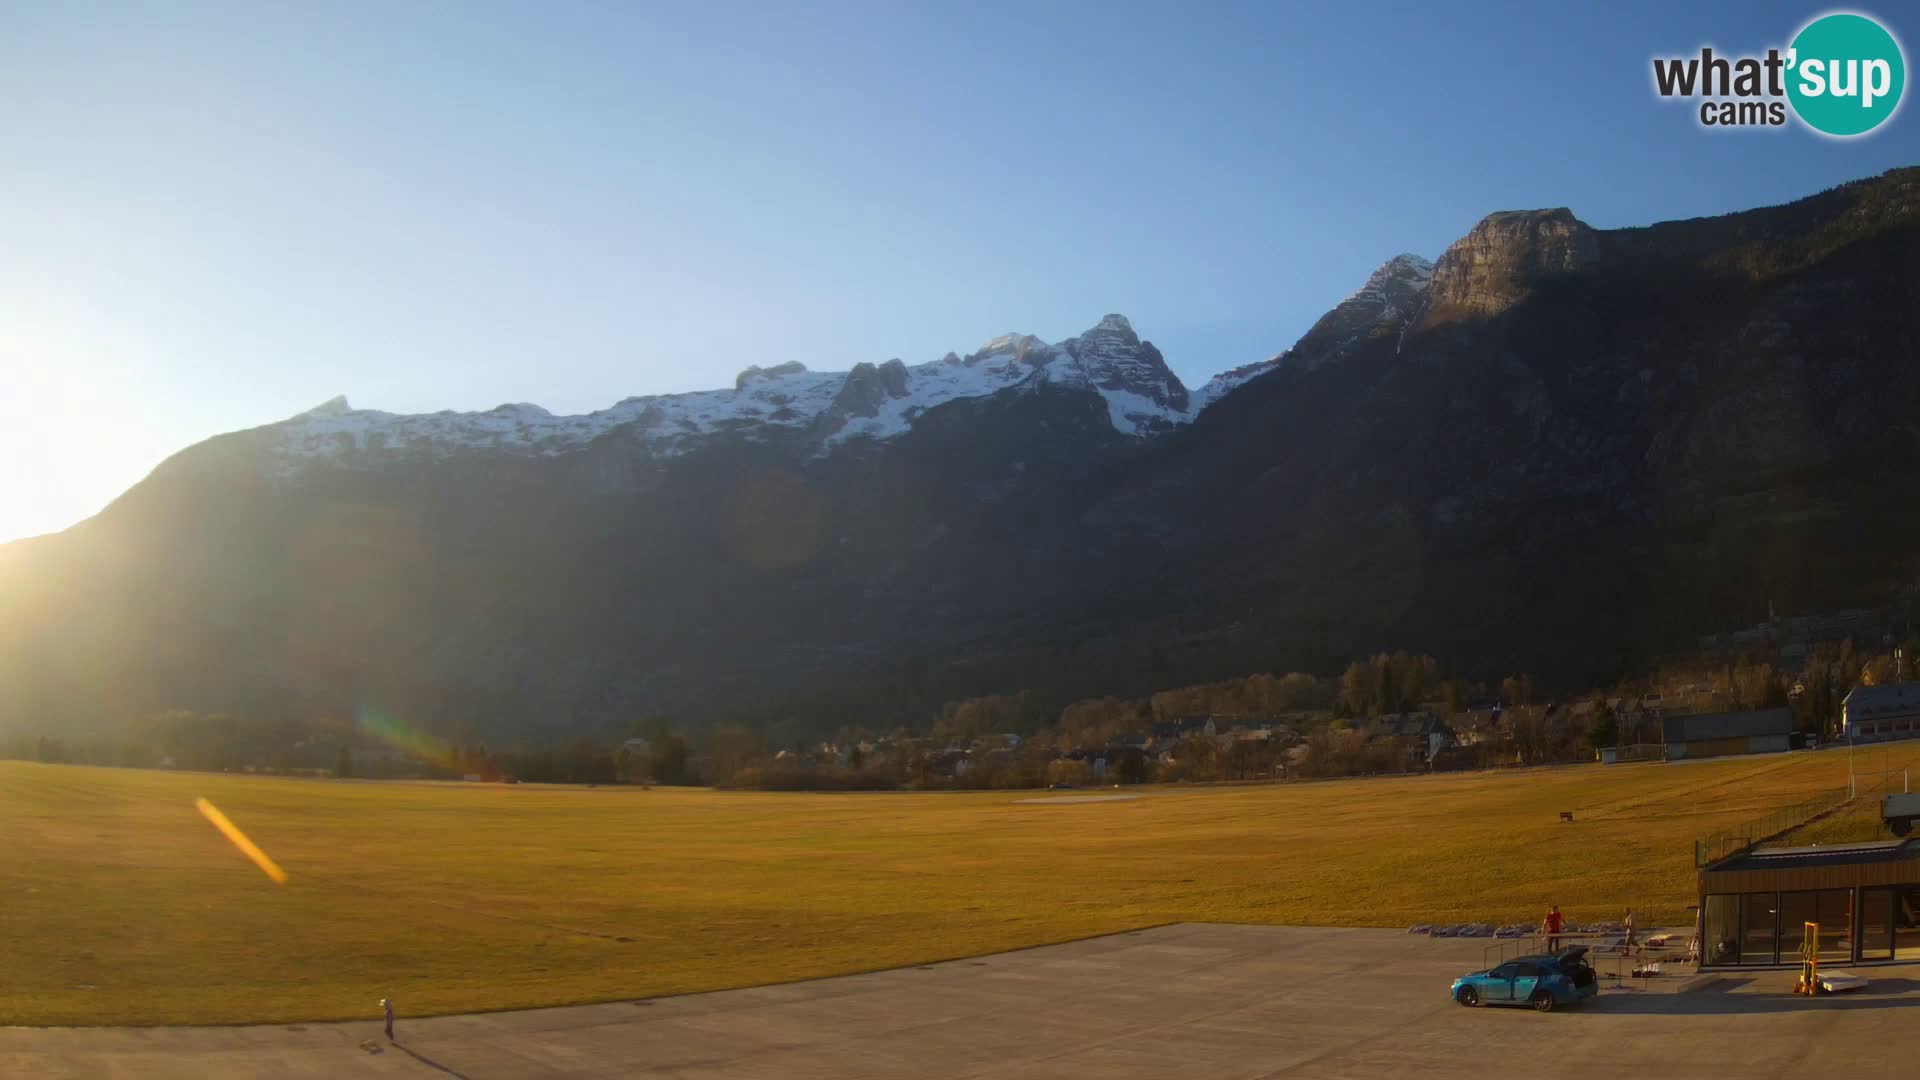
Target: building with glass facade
x=1866 y=898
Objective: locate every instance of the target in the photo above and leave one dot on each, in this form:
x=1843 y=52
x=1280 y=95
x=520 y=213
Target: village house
x=950 y=762
x=1094 y=757
x=1168 y=732
x=1879 y=713
x=1424 y=734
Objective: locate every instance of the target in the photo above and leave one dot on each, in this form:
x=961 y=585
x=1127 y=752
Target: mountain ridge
x=1567 y=450
x=874 y=401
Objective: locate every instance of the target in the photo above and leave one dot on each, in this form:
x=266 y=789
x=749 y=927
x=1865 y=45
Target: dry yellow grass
x=120 y=904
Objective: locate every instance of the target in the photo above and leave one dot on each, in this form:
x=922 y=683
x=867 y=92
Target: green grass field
x=120 y=905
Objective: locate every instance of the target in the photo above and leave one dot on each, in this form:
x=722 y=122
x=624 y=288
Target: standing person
x=1629 y=923
x=1552 y=927
x=386 y=1005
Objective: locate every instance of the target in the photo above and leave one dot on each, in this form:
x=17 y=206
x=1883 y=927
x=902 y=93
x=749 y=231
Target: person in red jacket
x=1552 y=928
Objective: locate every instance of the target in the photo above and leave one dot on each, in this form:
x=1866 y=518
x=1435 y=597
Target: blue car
x=1539 y=981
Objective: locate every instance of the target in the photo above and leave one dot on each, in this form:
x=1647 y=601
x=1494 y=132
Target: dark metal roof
x=1863 y=701
x=1802 y=858
x=1727 y=725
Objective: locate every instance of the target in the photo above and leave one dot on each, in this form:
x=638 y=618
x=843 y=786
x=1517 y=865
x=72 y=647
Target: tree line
x=1325 y=726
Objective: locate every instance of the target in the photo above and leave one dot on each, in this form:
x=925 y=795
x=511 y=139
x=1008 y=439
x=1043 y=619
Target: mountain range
x=1554 y=449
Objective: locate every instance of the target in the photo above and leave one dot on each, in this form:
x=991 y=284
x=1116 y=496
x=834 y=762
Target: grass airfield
x=119 y=904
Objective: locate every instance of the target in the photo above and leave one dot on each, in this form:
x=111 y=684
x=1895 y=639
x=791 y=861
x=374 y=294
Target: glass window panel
x=1836 y=925
x=1906 y=922
x=1796 y=910
x=1876 y=924
x=1721 y=942
x=1757 y=936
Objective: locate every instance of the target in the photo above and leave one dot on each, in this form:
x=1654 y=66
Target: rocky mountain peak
x=1500 y=260
x=756 y=373
x=1016 y=346
x=333 y=406
x=1391 y=299
x=1400 y=283
x=1113 y=358
x=867 y=387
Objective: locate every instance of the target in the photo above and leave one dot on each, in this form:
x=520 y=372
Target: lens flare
x=405 y=738
x=239 y=839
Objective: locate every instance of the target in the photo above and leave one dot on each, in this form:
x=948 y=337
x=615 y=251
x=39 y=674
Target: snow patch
x=1142 y=397
x=1228 y=381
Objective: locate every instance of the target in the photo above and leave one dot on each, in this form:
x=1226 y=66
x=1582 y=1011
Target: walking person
x=386 y=1005
x=1629 y=924
x=1552 y=928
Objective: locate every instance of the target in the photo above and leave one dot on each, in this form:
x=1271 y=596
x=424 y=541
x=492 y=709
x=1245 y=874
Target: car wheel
x=1541 y=1001
x=1468 y=996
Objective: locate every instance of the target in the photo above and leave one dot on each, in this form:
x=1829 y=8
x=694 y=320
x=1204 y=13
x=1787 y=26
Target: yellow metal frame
x=1809 y=983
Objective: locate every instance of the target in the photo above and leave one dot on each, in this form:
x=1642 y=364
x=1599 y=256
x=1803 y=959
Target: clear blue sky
x=213 y=216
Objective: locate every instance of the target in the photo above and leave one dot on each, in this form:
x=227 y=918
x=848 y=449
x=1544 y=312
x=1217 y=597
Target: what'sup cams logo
x=1842 y=76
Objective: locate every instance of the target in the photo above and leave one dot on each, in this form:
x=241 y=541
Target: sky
x=217 y=216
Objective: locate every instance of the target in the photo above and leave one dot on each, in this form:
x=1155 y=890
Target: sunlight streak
x=247 y=847
x=404 y=737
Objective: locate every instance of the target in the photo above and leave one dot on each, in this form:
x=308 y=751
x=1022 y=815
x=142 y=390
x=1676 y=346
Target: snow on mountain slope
x=871 y=401
x=1390 y=299
x=1143 y=396
x=1228 y=381
x=1389 y=302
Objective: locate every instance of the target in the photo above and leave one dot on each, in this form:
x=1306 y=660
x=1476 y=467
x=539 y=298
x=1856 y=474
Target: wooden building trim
x=1801 y=879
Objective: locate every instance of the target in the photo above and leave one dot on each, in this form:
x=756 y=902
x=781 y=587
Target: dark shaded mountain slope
x=1557 y=449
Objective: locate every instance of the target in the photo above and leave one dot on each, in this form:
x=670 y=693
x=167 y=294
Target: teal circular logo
x=1846 y=74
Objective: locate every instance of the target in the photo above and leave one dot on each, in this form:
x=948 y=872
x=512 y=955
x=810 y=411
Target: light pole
x=1848 y=728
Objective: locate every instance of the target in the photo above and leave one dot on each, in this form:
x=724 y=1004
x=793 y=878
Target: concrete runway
x=1178 y=1001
